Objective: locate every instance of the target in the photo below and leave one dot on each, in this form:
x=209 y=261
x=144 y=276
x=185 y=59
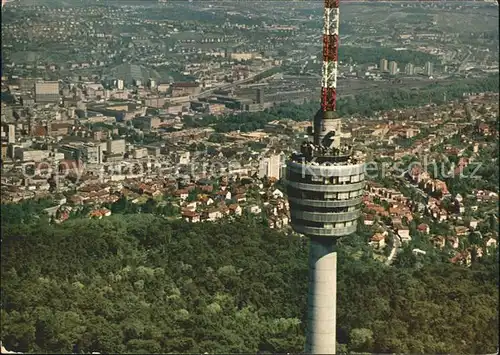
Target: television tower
x=325 y=185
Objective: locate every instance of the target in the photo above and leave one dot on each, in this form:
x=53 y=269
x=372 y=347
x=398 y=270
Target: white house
x=277 y=194
x=191 y=206
x=235 y=209
x=418 y=252
x=490 y=242
x=404 y=234
x=473 y=224
x=254 y=209
x=190 y=216
x=213 y=215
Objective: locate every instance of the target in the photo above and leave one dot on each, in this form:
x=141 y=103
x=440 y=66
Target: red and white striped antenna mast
x=330 y=56
x=326 y=124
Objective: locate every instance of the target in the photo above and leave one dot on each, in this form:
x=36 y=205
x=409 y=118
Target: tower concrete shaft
x=322 y=303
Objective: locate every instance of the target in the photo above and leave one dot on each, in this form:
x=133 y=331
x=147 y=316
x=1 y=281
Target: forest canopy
x=141 y=284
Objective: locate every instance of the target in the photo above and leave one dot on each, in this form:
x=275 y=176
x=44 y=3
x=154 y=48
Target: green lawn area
x=142 y=199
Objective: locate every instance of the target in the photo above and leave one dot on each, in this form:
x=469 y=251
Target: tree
x=360 y=339
x=149 y=206
x=143 y=283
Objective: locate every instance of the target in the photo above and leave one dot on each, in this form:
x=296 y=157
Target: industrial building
x=325 y=186
x=185 y=89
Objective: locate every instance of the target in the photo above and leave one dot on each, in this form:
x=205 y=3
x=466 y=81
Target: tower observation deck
x=325 y=185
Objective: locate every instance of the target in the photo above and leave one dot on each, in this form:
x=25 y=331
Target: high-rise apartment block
x=393 y=68
x=384 y=65
x=428 y=68
x=270 y=167
x=409 y=69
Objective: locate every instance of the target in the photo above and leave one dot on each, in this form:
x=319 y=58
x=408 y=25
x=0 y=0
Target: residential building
x=418 y=252
x=5 y=149
x=242 y=56
x=140 y=153
x=147 y=123
x=190 y=216
x=409 y=69
x=424 y=228
x=378 y=240
x=393 y=68
x=117 y=146
x=270 y=167
x=403 y=232
x=92 y=153
x=428 y=68
x=163 y=87
x=184 y=158
x=8 y=133
x=384 y=65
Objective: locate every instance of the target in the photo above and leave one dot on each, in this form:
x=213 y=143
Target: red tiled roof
x=187 y=213
x=422 y=227
x=40 y=131
x=377 y=237
x=207 y=188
